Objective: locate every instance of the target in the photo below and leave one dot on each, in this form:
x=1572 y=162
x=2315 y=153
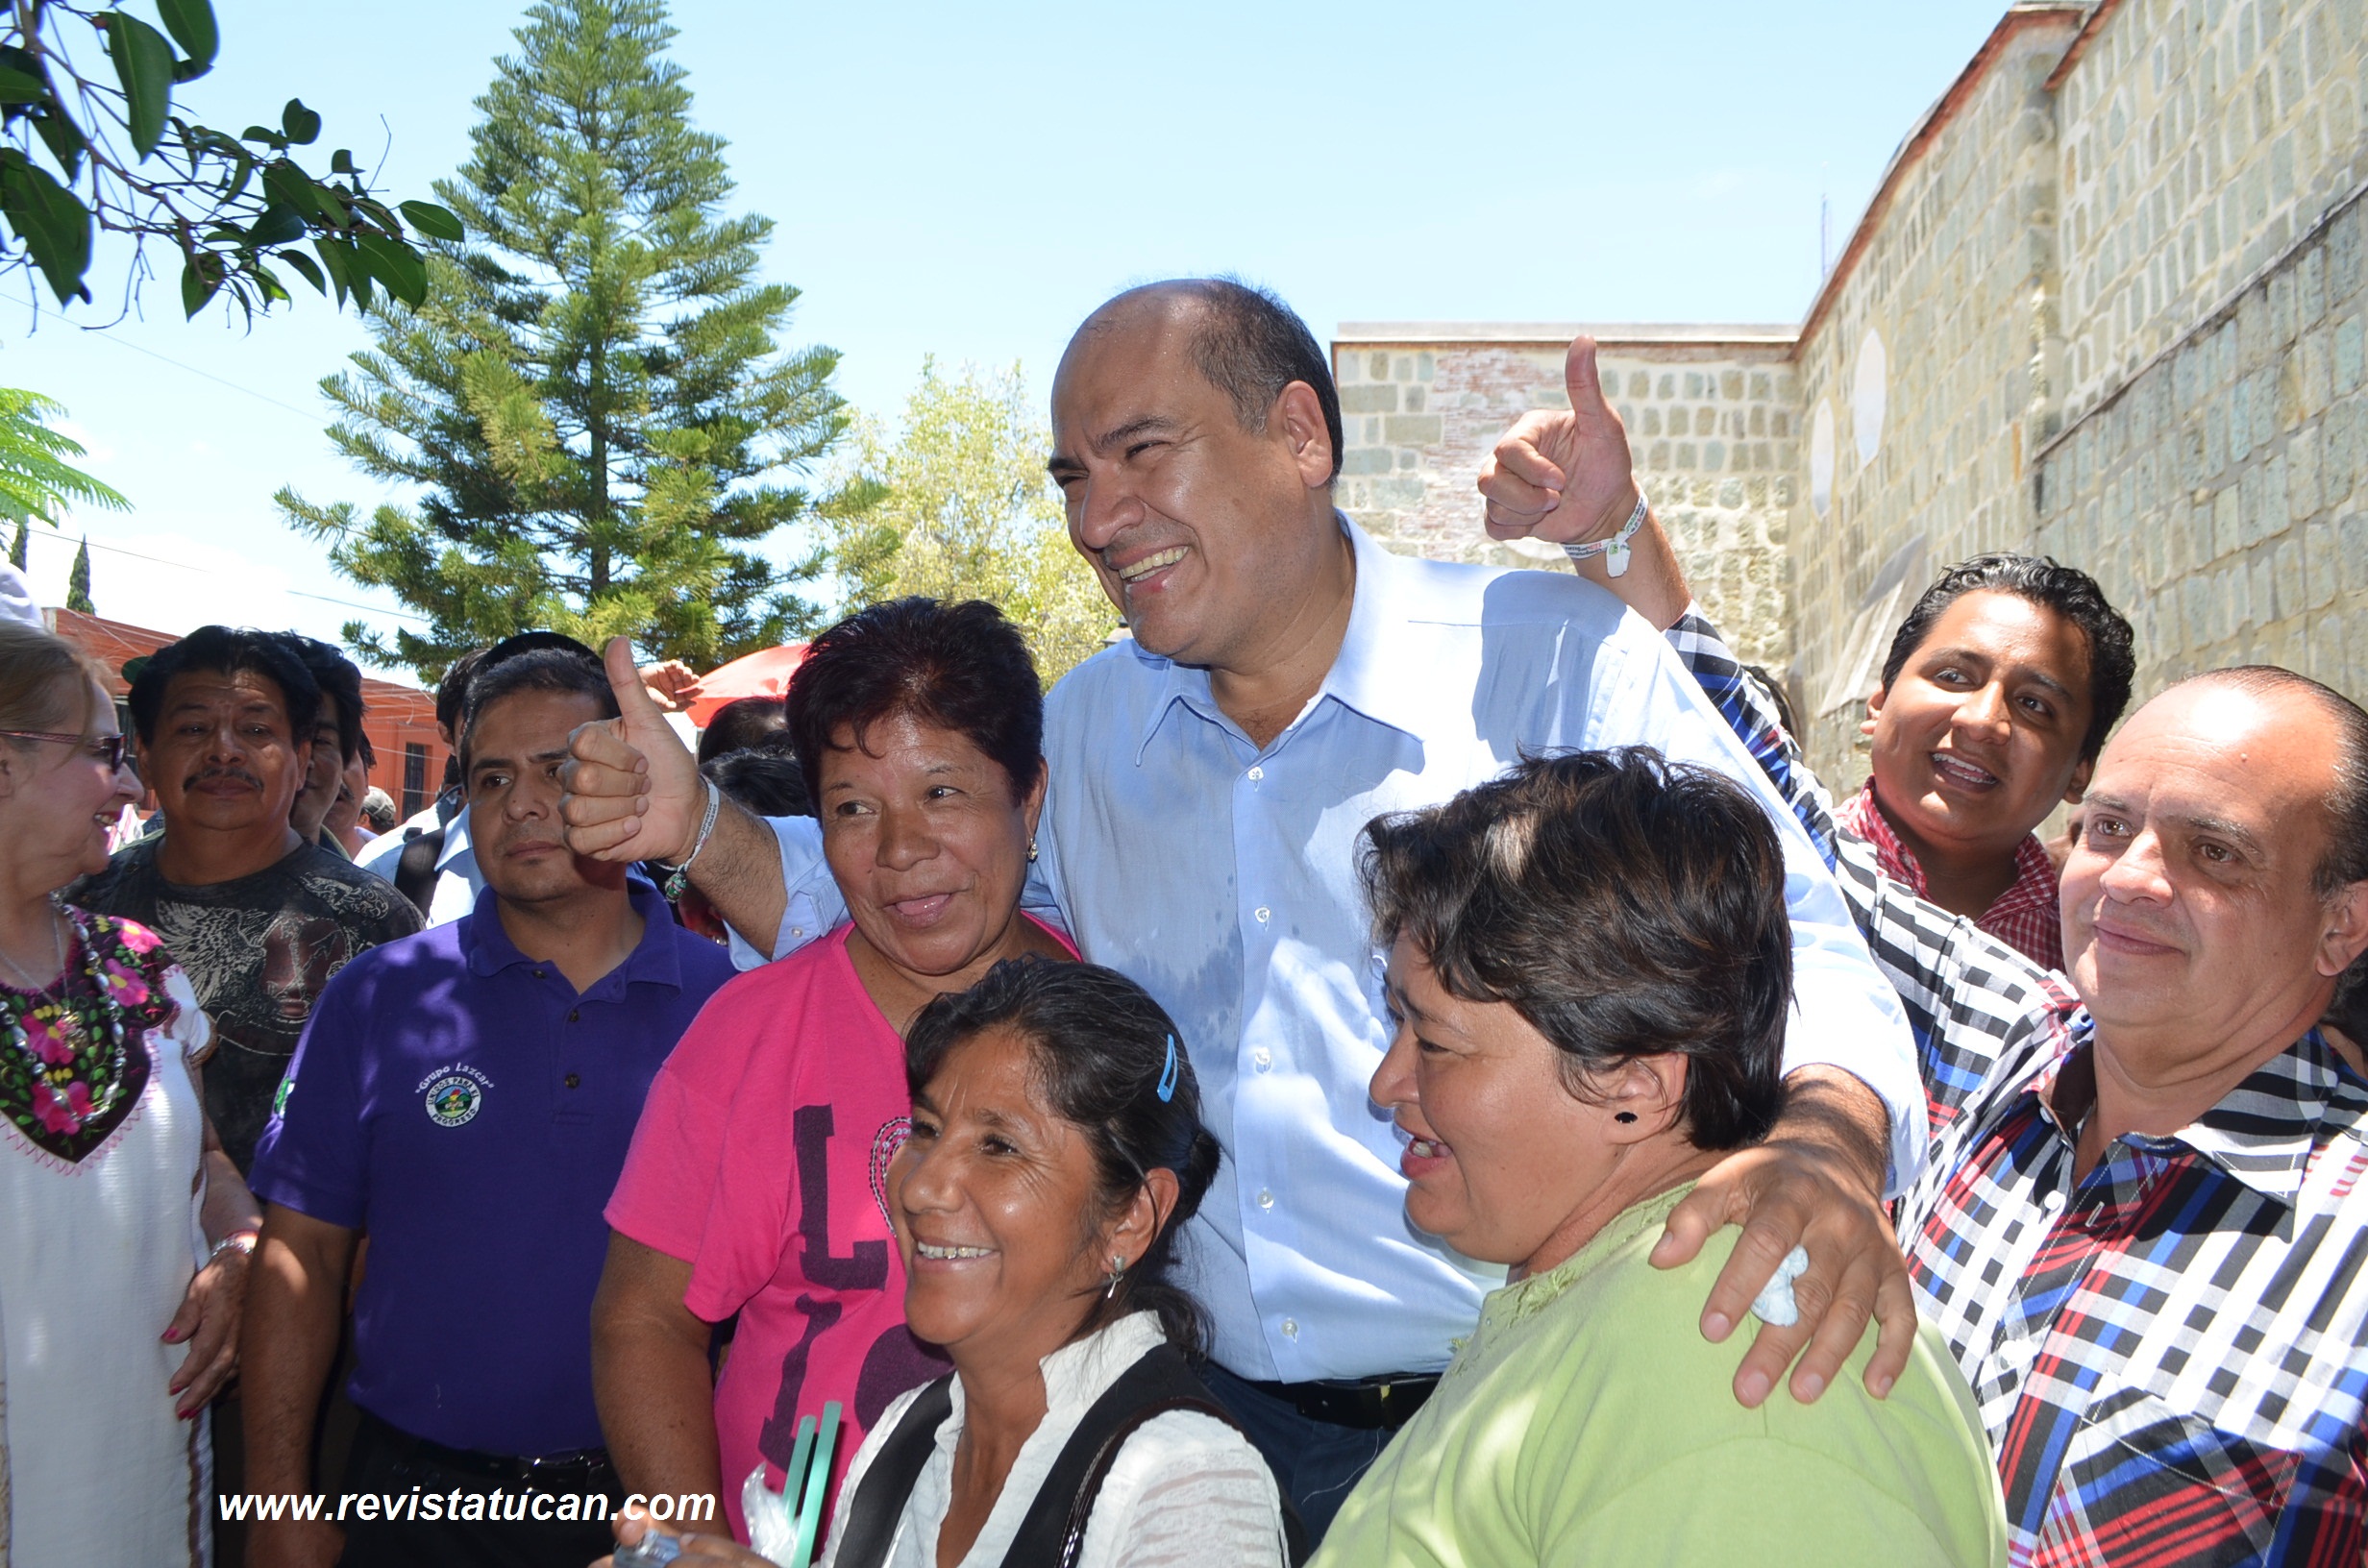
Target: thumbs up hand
x=1563 y=476
x=632 y=788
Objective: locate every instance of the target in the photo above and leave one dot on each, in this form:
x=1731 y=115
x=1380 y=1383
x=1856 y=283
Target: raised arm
x=635 y=793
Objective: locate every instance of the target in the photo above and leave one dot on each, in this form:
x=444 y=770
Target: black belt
x=1368 y=1404
x=582 y=1470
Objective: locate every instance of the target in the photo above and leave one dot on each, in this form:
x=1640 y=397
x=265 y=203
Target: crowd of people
x=1391 y=1063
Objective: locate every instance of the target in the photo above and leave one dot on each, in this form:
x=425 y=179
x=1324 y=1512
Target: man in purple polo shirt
x=465 y=1097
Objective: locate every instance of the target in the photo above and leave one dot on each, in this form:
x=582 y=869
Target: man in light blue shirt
x=1287 y=680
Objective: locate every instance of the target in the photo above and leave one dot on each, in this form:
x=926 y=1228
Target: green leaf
x=433 y=221
x=299 y=123
x=52 y=222
x=201 y=279
x=144 y=64
x=64 y=138
x=335 y=256
x=290 y=187
x=341 y=162
x=191 y=24
x=306 y=270
x=280 y=225
x=264 y=134
x=16 y=88
x=394 y=265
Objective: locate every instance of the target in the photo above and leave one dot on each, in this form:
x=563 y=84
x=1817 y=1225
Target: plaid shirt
x=2171 y=1355
x=2026 y=916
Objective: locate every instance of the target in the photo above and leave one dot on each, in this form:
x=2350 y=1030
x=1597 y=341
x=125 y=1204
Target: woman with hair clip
x=1056 y=1149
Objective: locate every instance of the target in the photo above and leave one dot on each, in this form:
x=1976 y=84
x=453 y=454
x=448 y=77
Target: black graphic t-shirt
x=257 y=950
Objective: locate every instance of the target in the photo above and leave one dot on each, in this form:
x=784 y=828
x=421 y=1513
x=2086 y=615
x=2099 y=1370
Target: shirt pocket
x=2146 y=1482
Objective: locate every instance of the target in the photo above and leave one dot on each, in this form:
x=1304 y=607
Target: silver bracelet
x=240 y=1241
x=679 y=878
x=1615 y=550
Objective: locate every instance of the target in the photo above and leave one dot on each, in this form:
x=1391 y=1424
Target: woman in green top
x=1590 y=967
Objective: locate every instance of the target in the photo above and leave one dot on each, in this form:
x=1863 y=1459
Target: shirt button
x=538 y=974
x=571 y=1015
x=1290 y=1328
x=573 y=1080
x=797 y=930
x=1257 y=774
x=1266 y=1198
x=1262 y=1059
x=1262 y=911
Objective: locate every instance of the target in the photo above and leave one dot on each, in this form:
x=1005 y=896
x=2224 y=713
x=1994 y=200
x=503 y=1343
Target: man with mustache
x=465 y=1098
x=1288 y=680
x=258 y=914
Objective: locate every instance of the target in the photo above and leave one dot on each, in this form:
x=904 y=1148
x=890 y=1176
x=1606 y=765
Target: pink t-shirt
x=759 y=1159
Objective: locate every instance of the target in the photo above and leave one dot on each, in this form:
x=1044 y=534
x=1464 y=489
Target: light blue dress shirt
x=1222 y=878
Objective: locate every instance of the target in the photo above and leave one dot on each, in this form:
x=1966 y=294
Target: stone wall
x=2220 y=494
x=1928 y=368
x=1710 y=413
x=2106 y=305
x=2199 y=138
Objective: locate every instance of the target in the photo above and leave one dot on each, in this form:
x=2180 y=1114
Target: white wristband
x=1615 y=550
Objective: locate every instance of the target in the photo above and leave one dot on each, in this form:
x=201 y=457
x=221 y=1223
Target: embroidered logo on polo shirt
x=454 y=1094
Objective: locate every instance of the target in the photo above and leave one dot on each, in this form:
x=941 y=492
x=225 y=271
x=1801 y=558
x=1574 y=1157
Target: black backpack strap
x=1053 y=1533
x=880 y=1501
x=415 y=868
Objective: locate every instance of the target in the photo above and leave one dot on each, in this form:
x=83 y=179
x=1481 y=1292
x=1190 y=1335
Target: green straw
x=817 y=1480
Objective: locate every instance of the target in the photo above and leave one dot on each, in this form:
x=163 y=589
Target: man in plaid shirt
x=2143 y=1229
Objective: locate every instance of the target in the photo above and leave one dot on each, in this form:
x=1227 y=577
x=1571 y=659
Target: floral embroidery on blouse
x=73 y=1059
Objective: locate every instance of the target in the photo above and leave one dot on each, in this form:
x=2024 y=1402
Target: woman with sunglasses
x=124 y=1227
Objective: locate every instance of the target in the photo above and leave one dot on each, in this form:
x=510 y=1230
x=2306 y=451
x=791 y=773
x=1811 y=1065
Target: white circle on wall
x=1822 y=458
x=1866 y=395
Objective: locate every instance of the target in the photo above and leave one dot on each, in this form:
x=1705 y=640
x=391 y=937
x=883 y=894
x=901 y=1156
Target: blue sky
x=968 y=181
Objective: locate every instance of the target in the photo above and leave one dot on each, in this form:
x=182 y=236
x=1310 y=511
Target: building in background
x=2106 y=305
x=399 y=719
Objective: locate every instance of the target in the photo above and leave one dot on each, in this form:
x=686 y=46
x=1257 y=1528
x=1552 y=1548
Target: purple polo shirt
x=466 y=1107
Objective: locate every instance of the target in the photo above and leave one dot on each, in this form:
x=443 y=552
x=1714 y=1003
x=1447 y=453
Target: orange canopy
x=765 y=673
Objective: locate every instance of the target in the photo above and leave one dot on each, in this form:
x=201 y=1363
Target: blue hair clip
x=1167 y=1074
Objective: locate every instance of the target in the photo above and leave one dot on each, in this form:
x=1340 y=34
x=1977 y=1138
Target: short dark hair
x=959 y=666
x=769 y=783
x=339 y=679
x=226 y=650
x=1624 y=905
x=451 y=693
x=2345 y=860
x=744 y=723
x=1251 y=345
x=2069 y=592
x=1101 y=1048
x=539 y=670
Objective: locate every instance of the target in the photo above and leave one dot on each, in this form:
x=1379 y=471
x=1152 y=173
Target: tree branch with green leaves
x=94 y=145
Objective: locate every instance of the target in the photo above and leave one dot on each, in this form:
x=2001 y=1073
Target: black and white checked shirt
x=2171 y=1355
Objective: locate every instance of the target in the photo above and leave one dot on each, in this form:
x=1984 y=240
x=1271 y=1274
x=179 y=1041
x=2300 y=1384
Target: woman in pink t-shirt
x=754 y=1184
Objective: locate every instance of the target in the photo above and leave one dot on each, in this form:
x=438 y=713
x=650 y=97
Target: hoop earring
x=1117 y=1274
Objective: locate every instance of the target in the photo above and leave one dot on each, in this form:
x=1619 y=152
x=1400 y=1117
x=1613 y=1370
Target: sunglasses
x=107 y=749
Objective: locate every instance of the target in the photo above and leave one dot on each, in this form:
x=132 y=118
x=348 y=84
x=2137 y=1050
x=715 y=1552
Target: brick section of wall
x=1714 y=430
x=2221 y=495
x=2199 y=138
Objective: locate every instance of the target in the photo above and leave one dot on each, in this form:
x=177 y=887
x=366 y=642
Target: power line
x=216 y=571
x=207 y=375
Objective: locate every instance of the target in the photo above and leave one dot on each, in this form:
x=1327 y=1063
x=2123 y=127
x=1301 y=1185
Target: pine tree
x=78 y=584
x=591 y=400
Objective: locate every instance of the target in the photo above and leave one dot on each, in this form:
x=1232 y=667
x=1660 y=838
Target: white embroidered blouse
x=1186 y=1491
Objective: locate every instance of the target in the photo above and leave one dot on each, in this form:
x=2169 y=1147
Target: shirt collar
x=456 y=841
x=654 y=958
x=2263 y=1132
x=1377 y=672
x=2034 y=873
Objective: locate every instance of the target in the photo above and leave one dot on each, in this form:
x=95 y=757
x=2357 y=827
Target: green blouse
x=1587 y=1421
